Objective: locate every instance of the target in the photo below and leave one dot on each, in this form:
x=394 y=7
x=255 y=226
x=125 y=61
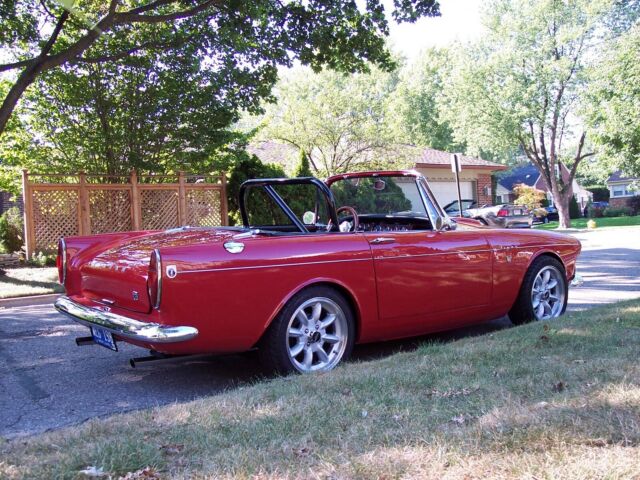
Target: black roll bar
x=269 y=183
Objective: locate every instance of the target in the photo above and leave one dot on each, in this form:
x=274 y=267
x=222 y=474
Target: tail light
x=154 y=279
x=61 y=261
x=503 y=212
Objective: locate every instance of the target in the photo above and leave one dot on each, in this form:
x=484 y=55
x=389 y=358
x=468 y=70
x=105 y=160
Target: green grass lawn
x=600 y=222
x=547 y=400
x=18 y=282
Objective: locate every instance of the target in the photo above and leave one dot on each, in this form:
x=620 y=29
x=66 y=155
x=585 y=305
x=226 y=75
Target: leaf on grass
x=172 y=448
x=146 y=473
x=92 y=472
x=559 y=387
x=459 y=419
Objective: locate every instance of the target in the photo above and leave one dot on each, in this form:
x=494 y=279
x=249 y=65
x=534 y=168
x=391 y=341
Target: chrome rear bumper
x=124 y=327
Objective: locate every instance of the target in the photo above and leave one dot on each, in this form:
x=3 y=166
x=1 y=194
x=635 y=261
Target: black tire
x=524 y=310
x=277 y=345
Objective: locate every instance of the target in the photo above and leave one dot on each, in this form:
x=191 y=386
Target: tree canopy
x=230 y=37
x=614 y=107
x=520 y=86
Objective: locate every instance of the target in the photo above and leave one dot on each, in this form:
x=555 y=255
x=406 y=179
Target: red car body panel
x=416 y=282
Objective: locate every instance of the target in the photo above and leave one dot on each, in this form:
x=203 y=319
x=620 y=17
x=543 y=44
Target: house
x=621 y=188
x=475 y=176
x=528 y=174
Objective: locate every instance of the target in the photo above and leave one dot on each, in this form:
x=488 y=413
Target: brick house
x=621 y=189
x=529 y=175
x=6 y=202
x=475 y=176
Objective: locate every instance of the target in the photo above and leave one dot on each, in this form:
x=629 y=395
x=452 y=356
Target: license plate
x=104 y=338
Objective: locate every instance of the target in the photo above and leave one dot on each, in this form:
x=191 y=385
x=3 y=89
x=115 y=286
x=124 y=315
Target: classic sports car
x=316 y=267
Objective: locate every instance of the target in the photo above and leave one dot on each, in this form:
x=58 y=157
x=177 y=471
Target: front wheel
x=313 y=333
x=543 y=293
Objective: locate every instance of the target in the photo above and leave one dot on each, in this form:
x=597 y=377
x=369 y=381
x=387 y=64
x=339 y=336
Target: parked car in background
x=453 y=210
x=503 y=216
x=544 y=215
x=315 y=268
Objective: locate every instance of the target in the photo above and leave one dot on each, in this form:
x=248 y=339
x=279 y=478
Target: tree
x=238 y=36
x=336 y=120
x=614 y=107
x=520 y=86
x=414 y=108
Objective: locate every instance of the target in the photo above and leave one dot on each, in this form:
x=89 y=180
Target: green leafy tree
x=614 y=107
x=253 y=38
x=519 y=87
x=337 y=121
x=304 y=168
x=414 y=107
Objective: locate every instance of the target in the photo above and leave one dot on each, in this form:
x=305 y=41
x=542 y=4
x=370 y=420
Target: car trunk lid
x=118 y=276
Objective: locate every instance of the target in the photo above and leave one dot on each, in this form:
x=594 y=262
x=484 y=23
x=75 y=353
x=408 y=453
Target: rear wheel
x=543 y=294
x=312 y=333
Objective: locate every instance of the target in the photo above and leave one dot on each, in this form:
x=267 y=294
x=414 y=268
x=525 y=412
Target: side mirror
x=439 y=223
x=309 y=218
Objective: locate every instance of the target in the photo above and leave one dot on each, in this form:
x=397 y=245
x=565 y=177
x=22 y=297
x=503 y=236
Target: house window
x=620 y=191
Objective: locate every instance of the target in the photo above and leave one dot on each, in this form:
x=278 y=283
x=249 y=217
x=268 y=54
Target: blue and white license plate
x=104 y=338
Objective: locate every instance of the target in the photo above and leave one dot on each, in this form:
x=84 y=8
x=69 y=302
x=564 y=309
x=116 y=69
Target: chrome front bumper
x=124 y=327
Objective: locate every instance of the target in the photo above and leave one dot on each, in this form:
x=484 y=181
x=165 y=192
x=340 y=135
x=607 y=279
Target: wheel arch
x=336 y=285
x=547 y=253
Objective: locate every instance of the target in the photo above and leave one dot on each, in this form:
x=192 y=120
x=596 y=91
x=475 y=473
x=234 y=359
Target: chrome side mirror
x=439 y=223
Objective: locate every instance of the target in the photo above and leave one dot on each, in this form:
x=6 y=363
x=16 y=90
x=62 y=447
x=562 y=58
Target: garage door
x=446 y=192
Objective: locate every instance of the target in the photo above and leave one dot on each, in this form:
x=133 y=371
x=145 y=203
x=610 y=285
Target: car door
x=430 y=280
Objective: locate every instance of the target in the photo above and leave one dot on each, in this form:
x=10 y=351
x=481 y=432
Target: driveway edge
x=28 y=301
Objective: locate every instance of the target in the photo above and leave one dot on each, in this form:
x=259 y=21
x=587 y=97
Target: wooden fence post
x=182 y=200
x=85 y=219
x=135 y=201
x=29 y=232
x=224 y=208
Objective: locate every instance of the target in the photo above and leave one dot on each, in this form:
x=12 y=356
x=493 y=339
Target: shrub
x=245 y=169
x=11 y=231
x=634 y=204
x=574 y=208
x=530 y=197
x=42 y=260
x=303 y=169
x=596 y=212
x=617 y=212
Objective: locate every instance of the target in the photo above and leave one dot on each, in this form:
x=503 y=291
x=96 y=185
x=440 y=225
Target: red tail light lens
x=61 y=261
x=503 y=212
x=154 y=279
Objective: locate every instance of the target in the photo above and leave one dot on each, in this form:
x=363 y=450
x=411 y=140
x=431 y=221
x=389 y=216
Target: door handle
x=382 y=240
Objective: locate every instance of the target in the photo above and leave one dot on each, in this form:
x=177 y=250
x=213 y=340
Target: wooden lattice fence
x=63 y=205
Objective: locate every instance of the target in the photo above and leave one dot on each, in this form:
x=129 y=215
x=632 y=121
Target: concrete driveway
x=47 y=382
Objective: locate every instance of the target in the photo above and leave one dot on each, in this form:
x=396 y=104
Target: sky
x=460 y=20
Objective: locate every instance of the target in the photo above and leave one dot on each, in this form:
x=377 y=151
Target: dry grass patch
x=551 y=400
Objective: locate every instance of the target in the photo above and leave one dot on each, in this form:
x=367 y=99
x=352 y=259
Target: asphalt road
x=47 y=382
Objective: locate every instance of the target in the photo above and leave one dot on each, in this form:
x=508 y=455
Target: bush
x=245 y=169
x=634 y=204
x=42 y=260
x=617 y=212
x=11 y=231
x=303 y=169
x=574 y=208
x=596 y=212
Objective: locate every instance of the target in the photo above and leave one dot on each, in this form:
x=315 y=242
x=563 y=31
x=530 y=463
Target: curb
x=29 y=301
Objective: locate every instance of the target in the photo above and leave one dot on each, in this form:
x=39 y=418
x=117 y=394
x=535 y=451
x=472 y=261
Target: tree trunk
x=562 y=204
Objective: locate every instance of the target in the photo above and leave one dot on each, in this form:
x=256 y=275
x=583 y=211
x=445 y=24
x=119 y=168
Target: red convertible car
x=316 y=267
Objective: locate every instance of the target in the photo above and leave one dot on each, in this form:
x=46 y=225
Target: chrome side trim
x=124 y=327
x=276 y=265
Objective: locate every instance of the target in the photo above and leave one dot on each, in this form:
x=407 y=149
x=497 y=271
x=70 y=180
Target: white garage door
x=446 y=192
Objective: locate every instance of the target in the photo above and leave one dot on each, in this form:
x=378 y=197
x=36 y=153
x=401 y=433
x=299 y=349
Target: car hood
x=118 y=275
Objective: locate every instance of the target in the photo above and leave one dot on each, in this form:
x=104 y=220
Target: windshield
x=380 y=195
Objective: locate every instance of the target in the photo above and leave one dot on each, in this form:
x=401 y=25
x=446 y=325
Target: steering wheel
x=356 y=222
